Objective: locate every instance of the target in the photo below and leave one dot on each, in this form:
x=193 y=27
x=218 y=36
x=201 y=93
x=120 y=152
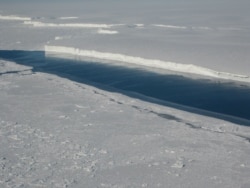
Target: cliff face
x=153 y=63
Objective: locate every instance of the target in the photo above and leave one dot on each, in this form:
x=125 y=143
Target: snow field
x=59 y=133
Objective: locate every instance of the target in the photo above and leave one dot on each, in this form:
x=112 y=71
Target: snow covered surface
x=58 y=133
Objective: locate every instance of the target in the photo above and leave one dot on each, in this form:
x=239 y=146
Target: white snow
x=15 y=18
x=202 y=28
x=170 y=26
x=62 y=37
x=154 y=63
x=74 y=25
x=68 y=18
x=198 y=27
x=107 y=32
x=139 y=25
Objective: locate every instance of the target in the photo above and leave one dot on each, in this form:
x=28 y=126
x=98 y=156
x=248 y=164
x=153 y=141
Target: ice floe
x=154 y=63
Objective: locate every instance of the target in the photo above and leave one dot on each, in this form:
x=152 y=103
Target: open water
x=228 y=98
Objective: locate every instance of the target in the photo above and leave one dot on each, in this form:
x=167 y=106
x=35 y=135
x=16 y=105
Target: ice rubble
x=154 y=63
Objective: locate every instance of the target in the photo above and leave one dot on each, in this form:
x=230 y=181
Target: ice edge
x=154 y=63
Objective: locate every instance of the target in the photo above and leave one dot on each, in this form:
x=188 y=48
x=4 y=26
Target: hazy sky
x=236 y=10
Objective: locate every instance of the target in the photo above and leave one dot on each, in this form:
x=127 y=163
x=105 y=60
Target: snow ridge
x=154 y=63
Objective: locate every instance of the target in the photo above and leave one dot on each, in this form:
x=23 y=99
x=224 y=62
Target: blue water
x=216 y=96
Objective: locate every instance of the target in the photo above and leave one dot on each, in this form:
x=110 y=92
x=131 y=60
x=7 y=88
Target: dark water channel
x=217 y=96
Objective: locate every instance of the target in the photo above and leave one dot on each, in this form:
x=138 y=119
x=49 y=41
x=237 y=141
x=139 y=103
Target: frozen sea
x=108 y=93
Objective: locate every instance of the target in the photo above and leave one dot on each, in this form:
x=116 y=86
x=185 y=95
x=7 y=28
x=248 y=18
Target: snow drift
x=154 y=63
